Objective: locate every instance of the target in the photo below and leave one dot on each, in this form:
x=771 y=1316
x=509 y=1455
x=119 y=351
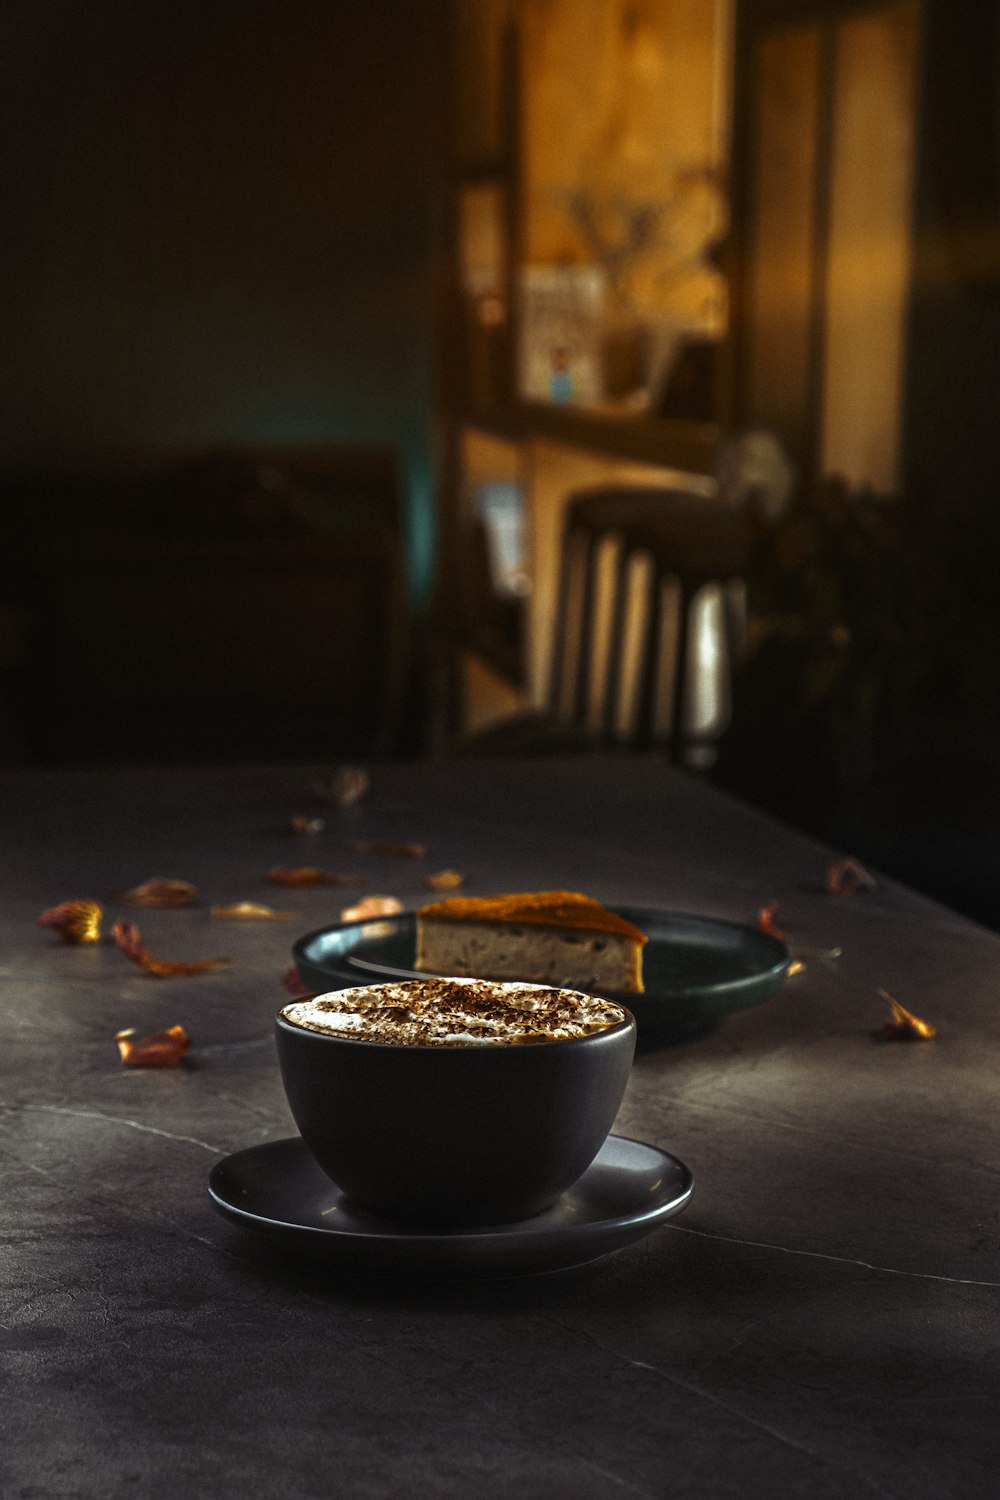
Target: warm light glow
x=708 y=704
x=624 y=160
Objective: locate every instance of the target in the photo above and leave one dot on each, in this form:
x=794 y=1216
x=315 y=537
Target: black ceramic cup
x=454 y=1136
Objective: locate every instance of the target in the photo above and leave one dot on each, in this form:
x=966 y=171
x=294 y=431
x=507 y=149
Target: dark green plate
x=696 y=970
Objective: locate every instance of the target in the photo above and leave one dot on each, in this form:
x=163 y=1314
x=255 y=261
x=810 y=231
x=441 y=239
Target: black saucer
x=278 y=1190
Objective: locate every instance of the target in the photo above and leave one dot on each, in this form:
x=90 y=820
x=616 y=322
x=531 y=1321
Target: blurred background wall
x=251 y=225
x=218 y=231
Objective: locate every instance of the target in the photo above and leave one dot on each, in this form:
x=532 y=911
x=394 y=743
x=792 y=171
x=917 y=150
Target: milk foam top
x=455 y=1012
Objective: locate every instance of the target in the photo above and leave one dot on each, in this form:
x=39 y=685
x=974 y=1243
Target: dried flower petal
x=74 y=921
x=252 y=911
x=129 y=940
x=347 y=785
x=307 y=875
x=371 y=906
x=826 y=956
x=767 y=922
x=307 y=826
x=846 y=877
x=161 y=892
x=445 y=880
x=904 y=1027
x=292 y=981
x=399 y=851
x=161 y=1049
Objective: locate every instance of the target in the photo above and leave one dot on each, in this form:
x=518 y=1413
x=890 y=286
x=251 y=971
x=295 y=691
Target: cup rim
x=627 y=1023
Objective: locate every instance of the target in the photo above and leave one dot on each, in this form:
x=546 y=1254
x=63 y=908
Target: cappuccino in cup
x=454 y=1103
x=455 y=1013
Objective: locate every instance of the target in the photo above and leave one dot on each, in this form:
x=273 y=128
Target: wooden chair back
x=639 y=567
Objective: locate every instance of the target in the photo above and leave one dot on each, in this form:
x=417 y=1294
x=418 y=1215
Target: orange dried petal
x=172 y=969
x=252 y=911
x=307 y=875
x=161 y=892
x=371 y=906
x=75 y=921
x=129 y=940
x=846 y=877
x=904 y=1027
x=445 y=880
x=161 y=1049
x=347 y=785
x=767 y=921
x=291 y=981
x=307 y=826
x=398 y=851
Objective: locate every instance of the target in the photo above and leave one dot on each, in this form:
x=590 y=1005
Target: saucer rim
x=583 y=1240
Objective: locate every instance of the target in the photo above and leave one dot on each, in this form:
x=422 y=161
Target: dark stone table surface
x=820 y=1321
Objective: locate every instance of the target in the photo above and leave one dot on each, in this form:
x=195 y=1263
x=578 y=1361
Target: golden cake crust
x=538 y=908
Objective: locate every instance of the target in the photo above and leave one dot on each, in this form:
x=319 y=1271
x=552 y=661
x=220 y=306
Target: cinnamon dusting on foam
x=455 y=1012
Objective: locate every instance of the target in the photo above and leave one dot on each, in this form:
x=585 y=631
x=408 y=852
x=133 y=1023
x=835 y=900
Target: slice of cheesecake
x=552 y=937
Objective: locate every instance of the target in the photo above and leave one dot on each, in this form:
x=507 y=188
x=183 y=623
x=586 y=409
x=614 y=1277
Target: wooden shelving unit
x=480 y=388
